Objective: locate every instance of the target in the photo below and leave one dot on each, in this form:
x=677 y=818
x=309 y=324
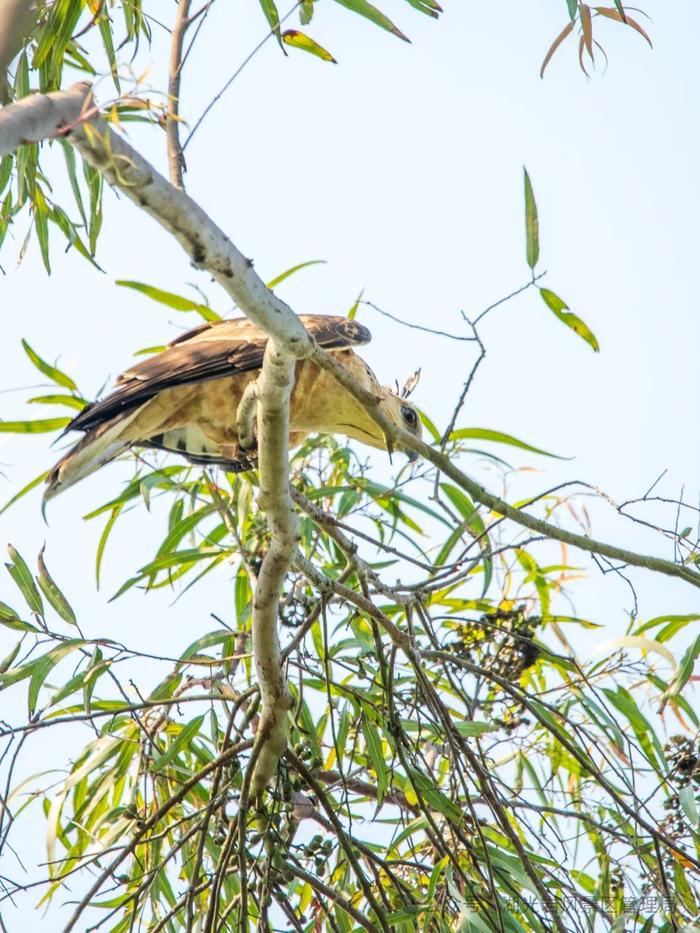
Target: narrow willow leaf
x=375 y=755
x=686 y=795
x=566 y=31
x=166 y=688
x=206 y=641
x=302 y=265
x=634 y=641
x=55 y=375
x=475 y=524
x=472 y=728
x=685 y=670
x=6 y=662
x=70 y=401
x=299 y=40
x=364 y=8
x=532 y=229
x=41 y=225
x=39 y=426
x=44 y=666
x=586 y=27
x=429 y=7
x=25 y=489
x=187 y=733
x=433 y=797
x=171 y=300
x=272 y=16
x=20 y=573
x=498 y=437
x=622 y=17
x=306 y=12
x=53 y=594
x=561 y=310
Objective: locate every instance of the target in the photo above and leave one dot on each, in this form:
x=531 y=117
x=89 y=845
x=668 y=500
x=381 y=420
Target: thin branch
x=176 y=159
x=404 y=440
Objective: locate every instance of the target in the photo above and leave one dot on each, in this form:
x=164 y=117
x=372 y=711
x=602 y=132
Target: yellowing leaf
x=566 y=31
x=300 y=40
x=623 y=18
x=635 y=641
x=561 y=310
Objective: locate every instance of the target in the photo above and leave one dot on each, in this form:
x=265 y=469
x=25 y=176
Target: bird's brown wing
x=210 y=351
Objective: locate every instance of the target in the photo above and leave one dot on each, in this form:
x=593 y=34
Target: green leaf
x=532 y=235
x=54 y=374
x=201 y=644
x=433 y=797
x=273 y=18
x=70 y=401
x=300 y=40
x=560 y=309
x=375 y=755
x=498 y=437
x=370 y=12
x=302 y=265
x=22 y=576
x=352 y=313
x=171 y=300
x=475 y=524
x=41 y=225
x=25 y=489
x=472 y=728
x=40 y=426
x=53 y=594
x=114 y=515
x=685 y=669
x=306 y=12
x=44 y=666
x=187 y=733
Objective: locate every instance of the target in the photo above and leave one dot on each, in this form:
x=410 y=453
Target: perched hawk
x=185 y=399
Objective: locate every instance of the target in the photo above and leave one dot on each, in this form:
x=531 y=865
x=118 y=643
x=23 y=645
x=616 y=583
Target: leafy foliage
x=452 y=763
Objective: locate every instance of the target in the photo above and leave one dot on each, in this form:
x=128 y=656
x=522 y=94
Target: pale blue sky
x=402 y=167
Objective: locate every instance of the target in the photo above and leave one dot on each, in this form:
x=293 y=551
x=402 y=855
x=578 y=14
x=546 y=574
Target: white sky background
x=402 y=167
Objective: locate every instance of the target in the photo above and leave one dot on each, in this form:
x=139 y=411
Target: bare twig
x=176 y=159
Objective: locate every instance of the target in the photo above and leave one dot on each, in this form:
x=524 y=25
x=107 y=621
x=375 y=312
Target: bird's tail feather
x=97 y=447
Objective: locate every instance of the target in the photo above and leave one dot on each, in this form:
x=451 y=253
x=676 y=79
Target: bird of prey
x=185 y=399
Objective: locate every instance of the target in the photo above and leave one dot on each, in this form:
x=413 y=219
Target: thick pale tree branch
x=274 y=386
x=41 y=116
x=209 y=248
x=17 y=17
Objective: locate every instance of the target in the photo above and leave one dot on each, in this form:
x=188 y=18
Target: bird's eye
x=409 y=416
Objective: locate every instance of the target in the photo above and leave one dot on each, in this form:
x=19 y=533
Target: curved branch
x=403 y=439
x=274 y=386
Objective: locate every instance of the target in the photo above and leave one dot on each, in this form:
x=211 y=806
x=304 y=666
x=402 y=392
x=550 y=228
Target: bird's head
x=404 y=415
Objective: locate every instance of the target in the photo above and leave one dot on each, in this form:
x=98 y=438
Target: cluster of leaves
x=483 y=779
x=581 y=17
